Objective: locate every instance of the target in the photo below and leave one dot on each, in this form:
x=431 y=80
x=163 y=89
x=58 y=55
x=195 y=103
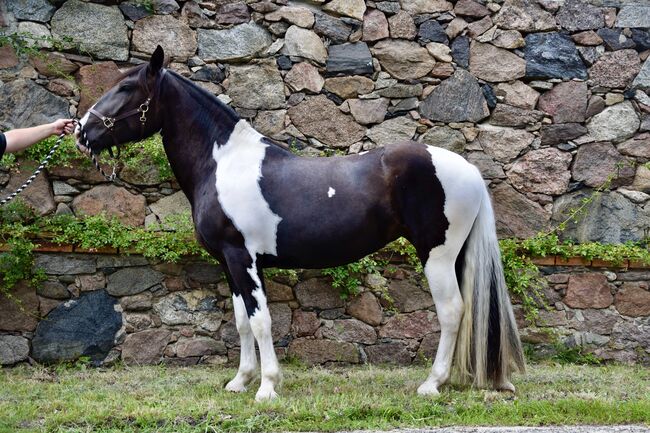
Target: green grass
x=148 y=399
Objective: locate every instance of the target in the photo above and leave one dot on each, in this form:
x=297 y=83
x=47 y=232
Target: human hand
x=62 y=126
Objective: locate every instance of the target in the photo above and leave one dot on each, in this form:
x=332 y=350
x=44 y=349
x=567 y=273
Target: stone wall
x=548 y=98
x=111 y=307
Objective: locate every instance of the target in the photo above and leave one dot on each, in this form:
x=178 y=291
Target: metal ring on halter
x=108 y=122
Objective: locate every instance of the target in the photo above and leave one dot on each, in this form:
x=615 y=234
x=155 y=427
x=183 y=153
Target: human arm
x=19 y=139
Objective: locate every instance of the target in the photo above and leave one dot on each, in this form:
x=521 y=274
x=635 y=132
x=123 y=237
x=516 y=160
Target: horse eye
x=126 y=88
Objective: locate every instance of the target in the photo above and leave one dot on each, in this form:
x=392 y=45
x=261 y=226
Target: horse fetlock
x=429 y=388
x=238 y=384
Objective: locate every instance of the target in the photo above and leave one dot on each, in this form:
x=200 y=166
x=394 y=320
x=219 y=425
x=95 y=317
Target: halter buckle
x=108 y=122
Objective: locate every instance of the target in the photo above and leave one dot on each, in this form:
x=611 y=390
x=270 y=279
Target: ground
x=167 y=399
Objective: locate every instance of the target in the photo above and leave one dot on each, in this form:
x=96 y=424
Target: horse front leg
x=249 y=299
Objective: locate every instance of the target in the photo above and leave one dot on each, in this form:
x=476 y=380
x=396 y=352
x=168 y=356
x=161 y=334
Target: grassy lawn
x=160 y=399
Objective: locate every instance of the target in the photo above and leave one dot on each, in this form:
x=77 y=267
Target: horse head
x=129 y=111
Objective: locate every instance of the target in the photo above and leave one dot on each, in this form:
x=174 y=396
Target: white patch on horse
x=331 y=192
x=239 y=170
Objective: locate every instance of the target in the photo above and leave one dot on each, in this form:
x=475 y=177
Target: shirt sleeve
x=3 y=144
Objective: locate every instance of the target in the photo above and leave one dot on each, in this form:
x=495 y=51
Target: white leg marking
x=331 y=192
x=261 y=326
x=248 y=359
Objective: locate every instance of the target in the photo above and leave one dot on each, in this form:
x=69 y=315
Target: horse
x=255 y=204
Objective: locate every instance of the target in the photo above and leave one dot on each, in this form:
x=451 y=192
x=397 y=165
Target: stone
x=139 y=302
x=470 y=8
x=518 y=94
x=445 y=137
x=460 y=51
x=304 y=323
x=596 y=162
x=456 y=27
x=615 y=39
x=544 y=171
x=8 y=58
x=566 y=102
x=53 y=264
x=516 y=215
x=232 y=13
x=410 y=326
x=507 y=115
x=86 y=326
x=407 y=296
x=134 y=10
x=590 y=55
x=487 y=166
x=320 y=118
x=615 y=123
x=375 y=25
x=366 y=308
x=478 y=28
x=40 y=34
x=318 y=293
x=96 y=29
x=131 y=281
x=145 y=347
x=589 y=38
x=633 y=299
x=402 y=26
x=457 y=99
x=428 y=347
x=314 y=352
x=32 y=10
x=199 y=346
x=198 y=308
x=270 y=123
x=281 y=321
x=432 y=31
x=332 y=28
x=439 y=51
x=609 y=218
x=349 y=87
x=638 y=146
x=524 y=15
x=303 y=43
x=368 y=111
x=389 y=7
x=350 y=8
x=237 y=43
x=20 y=312
x=178 y=39
x=300 y=16
x=350 y=330
x=95 y=80
x=393 y=130
x=615 y=69
x=399 y=91
x=28 y=104
x=203 y=273
x=553 y=55
x=390 y=353
x=504 y=144
x=39 y=194
x=349 y=59
x=304 y=76
x=13 y=349
x=113 y=201
x=493 y=64
x=595 y=105
x=403 y=60
x=175 y=204
x=53 y=290
x=634 y=15
x=561 y=133
x=257 y=86
x=577 y=15
x=416 y=7
x=641 y=38
x=588 y=290
x=642 y=80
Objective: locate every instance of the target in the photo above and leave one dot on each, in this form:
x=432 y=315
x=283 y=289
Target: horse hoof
x=265 y=395
x=235 y=386
x=506 y=386
x=428 y=389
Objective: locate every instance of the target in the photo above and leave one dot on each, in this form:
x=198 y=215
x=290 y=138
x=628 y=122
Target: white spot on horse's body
x=331 y=192
x=239 y=170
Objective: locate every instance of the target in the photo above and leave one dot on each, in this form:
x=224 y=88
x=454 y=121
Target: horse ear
x=156 y=61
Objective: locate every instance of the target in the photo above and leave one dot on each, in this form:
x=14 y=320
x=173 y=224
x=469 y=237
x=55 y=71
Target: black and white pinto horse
x=257 y=205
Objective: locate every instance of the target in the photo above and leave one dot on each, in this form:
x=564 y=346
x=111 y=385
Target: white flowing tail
x=488 y=348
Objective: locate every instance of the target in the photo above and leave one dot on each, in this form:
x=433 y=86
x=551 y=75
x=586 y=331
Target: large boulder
x=394 y=130
x=86 y=326
x=516 y=215
x=28 y=104
x=553 y=55
x=493 y=64
x=305 y=44
x=38 y=194
x=176 y=37
x=457 y=99
x=145 y=347
x=615 y=123
x=524 y=15
x=566 y=102
x=597 y=163
x=13 y=349
x=256 y=86
x=543 y=171
x=615 y=69
x=234 y=44
x=20 y=311
x=114 y=201
x=349 y=59
x=132 y=281
x=197 y=308
x=96 y=29
x=403 y=60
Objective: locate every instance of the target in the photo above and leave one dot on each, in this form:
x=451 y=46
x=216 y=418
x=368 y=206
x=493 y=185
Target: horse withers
x=257 y=205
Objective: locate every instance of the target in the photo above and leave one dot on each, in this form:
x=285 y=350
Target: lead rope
x=36 y=173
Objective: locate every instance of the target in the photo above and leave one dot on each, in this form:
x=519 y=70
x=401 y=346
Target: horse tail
x=488 y=347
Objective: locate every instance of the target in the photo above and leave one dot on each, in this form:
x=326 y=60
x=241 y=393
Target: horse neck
x=192 y=123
